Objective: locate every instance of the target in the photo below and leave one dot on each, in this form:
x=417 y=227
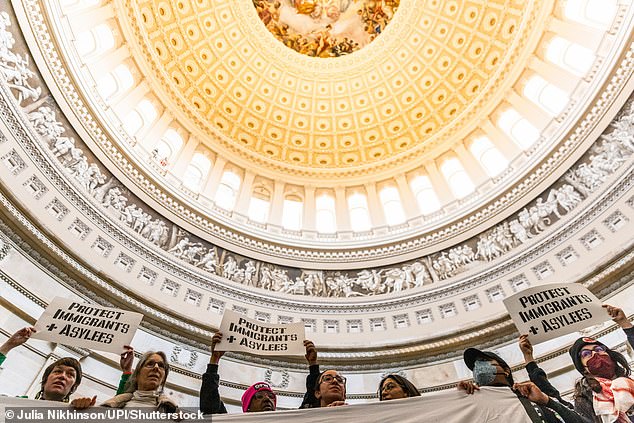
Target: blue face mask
x=484 y=372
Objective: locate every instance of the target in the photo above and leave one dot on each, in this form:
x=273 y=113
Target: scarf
x=614 y=400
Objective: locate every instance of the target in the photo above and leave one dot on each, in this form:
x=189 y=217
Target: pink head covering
x=253 y=389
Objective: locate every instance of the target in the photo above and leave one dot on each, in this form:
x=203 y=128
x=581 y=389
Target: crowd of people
x=603 y=394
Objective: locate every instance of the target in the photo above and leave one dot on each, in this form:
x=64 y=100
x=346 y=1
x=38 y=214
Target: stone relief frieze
x=607 y=155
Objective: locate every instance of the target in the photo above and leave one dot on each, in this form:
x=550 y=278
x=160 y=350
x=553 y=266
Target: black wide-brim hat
x=472 y=354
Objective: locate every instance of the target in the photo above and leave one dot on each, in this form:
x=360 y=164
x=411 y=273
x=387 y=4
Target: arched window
x=457 y=178
x=141 y=117
x=359 y=212
x=545 y=95
x=570 y=56
x=325 y=218
x=518 y=128
x=392 y=206
x=599 y=13
x=169 y=143
x=107 y=86
x=488 y=156
x=425 y=195
x=227 y=190
x=119 y=81
x=292 y=211
x=133 y=122
x=192 y=178
x=259 y=205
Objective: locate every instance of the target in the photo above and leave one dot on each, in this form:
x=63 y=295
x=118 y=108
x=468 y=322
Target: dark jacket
x=310 y=400
x=566 y=415
x=210 y=402
x=583 y=391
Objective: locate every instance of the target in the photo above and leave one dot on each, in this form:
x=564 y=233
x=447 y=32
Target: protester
x=258 y=397
x=605 y=393
x=325 y=389
x=395 y=387
x=536 y=374
x=489 y=369
x=145 y=386
x=59 y=380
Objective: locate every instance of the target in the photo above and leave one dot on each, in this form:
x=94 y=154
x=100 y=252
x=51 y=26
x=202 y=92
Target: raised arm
x=310 y=401
x=210 y=402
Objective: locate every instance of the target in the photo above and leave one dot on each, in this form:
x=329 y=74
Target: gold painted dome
x=435 y=69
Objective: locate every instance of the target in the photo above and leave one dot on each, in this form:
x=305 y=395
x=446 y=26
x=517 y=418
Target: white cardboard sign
x=90 y=326
x=240 y=333
x=548 y=311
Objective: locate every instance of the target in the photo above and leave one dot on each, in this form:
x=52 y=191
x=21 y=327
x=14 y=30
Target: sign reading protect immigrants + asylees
x=548 y=311
x=240 y=333
x=90 y=326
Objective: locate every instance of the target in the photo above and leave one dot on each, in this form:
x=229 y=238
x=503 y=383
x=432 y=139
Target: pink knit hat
x=253 y=389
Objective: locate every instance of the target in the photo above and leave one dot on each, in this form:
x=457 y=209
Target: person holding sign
x=325 y=389
x=145 y=386
x=605 y=393
x=59 y=380
x=489 y=369
x=258 y=397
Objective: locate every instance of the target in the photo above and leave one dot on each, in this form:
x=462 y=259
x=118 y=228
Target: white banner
x=548 y=311
x=489 y=405
x=240 y=333
x=87 y=325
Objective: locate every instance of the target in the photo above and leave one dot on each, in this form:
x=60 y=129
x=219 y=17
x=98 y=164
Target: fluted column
x=577 y=32
x=502 y=142
x=246 y=190
x=441 y=187
x=410 y=205
x=474 y=169
x=377 y=215
x=529 y=110
x=213 y=180
x=184 y=157
x=554 y=74
x=277 y=203
x=130 y=100
x=150 y=137
x=107 y=62
x=341 y=210
x=308 y=219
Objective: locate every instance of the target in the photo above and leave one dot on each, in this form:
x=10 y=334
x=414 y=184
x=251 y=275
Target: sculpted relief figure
x=43 y=120
x=209 y=260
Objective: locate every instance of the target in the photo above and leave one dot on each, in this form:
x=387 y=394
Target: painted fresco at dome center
x=326 y=28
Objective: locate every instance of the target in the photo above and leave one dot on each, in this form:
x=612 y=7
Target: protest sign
x=548 y=311
x=87 y=325
x=240 y=333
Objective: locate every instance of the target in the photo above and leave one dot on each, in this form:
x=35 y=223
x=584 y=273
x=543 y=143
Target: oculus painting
x=326 y=28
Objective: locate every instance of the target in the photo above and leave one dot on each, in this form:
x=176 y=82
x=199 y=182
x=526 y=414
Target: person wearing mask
x=146 y=385
x=325 y=389
x=605 y=393
x=489 y=369
x=395 y=387
x=258 y=397
x=60 y=378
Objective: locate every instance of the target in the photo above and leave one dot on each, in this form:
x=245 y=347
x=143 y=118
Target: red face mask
x=602 y=366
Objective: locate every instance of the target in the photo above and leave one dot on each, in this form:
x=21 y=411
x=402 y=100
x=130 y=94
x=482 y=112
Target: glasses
x=261 y=395
x=595 y=349
x=150 y=364
x=389 y=386
x=329 y=378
